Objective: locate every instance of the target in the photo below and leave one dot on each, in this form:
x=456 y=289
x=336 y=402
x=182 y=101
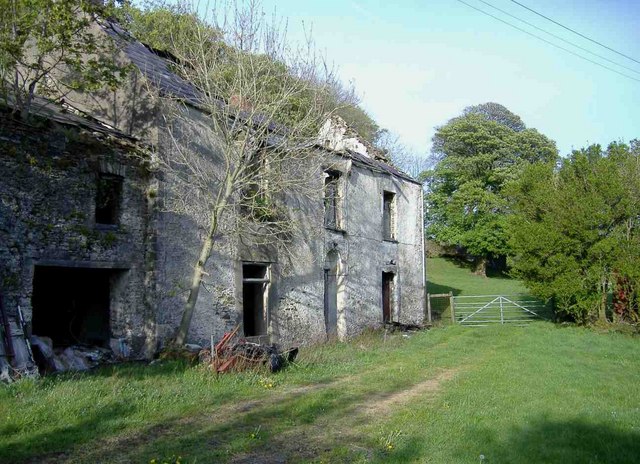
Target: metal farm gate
x=484 y=310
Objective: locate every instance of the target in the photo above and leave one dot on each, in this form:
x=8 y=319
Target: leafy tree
x=498 y=113
x=476 y=158
x=575 y=233
x=38 y=38
x=400 y=155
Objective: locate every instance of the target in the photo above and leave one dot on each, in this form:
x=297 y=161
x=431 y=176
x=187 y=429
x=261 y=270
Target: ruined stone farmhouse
x=90 y=256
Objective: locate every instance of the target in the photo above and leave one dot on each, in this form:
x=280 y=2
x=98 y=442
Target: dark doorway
x=72 y=305
x=331 y=294
x=255 y=281
x=387 y=296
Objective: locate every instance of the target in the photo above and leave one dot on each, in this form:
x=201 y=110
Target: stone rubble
x=71 y=358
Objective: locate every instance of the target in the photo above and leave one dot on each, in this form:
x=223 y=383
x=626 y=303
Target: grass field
x=446 y=275
x=543 y=393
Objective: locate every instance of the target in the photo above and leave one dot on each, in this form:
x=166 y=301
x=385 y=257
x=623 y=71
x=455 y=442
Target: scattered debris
x=43 y=354
x=71 y=358
x=173 y=352
x=192 y=347
x=16 y=357
x=120 y=348
x=5 y=370
x=399 y=327
x=240 y=354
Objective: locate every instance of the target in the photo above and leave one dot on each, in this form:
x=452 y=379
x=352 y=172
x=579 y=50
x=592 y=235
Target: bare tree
x=251 y=144
x=401 y=156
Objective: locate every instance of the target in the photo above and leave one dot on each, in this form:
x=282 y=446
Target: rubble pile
x=71 y=358
x=393 y=326
x=237 y=354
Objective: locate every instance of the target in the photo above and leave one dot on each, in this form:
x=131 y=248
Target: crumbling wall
x=336 y=135
x=363 y=255
x=296 y=293
x=297 y=312
x=47 y=218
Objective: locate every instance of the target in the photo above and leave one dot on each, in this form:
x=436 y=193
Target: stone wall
x=49 y=178
x=295 y=309
x=183 y=220
x=48 y=219
x=296 y=292
x=363 y=255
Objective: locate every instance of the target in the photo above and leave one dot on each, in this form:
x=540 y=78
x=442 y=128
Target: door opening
x=72 y=305
x=255 y=283
x=387 y=296
x=330 y=303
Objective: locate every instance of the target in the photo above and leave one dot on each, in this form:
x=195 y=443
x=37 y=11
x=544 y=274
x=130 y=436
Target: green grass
x=543 y=393
x=446 y=275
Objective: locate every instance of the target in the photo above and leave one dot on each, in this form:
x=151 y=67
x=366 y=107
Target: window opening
x=388 y=215
x=255 y=284
x=108 y=198
x=331 y=200
x=256 y=201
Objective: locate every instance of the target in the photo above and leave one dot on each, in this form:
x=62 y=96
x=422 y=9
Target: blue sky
x=417 y=63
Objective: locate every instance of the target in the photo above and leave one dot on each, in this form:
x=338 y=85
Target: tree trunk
x=26 y=107
x=196 y=280
x=602 y=314
x=602 y=310
x=480 y=266
x=205 y=253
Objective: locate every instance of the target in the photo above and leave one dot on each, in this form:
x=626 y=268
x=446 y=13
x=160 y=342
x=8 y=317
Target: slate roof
x=154 y=67
x=64 y=114
x=378 y=166
x=157 y=69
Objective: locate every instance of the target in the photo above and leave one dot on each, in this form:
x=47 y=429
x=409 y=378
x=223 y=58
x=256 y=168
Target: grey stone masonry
x=93 y=252
x=50 y=230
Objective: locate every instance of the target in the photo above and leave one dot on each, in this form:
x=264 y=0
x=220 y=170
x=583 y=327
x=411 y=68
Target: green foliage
x=497 y=113
x=166 y=27
x=446 y=275
x=477 y=158
x=357 y=118
x=576 y=231
x=49 y=47
x=158 y=25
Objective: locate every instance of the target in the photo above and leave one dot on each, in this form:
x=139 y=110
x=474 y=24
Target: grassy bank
x=446 y=275
x=519 y=395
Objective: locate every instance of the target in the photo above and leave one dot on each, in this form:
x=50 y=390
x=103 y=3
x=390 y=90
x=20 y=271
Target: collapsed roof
x=65 y=114
x=157 y=69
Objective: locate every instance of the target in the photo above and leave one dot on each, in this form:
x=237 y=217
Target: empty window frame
x=256 y=200
x=108 y=199
x=255 y=288
x=332 y=204
x=389 y=215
